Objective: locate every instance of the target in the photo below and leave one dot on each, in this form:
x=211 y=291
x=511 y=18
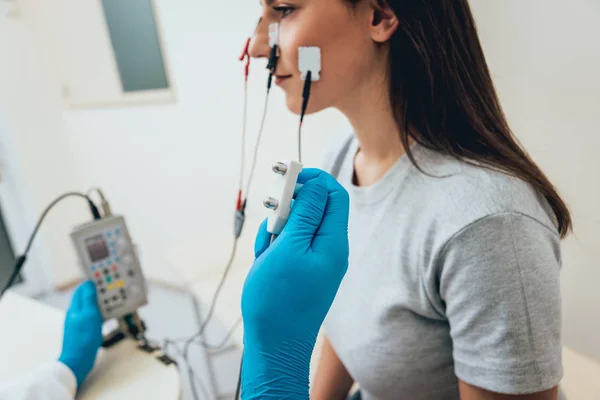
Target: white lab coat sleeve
x=53 y=381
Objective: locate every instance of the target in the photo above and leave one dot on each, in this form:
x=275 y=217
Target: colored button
x=99 y=283
x=97 y=274
x=117 y=276
x=108 y=279
x=117 y=231
x=111 y=286
x=106 y=271
x=106 y=301
x=100 y=265
x=115 y=298
x=114 y=252
x=112 y=244
x=130 y=273
x=114 y=267
x=120 y=284
x=117 y=259
x=102 y=290
x=93 y=267
x=108 y=234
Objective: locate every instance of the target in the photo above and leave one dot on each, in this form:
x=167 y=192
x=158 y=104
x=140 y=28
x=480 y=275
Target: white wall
x=546 y=60
x=172 y=169
x=42 y=162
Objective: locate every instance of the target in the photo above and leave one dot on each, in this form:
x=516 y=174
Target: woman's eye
x=284 y=10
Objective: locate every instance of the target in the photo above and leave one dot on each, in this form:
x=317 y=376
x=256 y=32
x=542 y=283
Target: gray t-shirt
x=455 y=275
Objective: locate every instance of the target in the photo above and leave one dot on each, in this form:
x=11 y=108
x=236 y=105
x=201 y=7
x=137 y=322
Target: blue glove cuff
x=276 y=374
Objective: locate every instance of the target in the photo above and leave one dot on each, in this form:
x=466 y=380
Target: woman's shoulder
x=465 y=193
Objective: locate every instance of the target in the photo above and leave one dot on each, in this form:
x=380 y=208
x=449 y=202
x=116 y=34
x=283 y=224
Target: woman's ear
x=384 y=22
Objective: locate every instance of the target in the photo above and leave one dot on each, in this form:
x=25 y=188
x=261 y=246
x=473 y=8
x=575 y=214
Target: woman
x=452 y=290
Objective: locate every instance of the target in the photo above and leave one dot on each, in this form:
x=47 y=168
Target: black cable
x=20 y=261
x=305 y=98
x=238 y=388
x=272 y=63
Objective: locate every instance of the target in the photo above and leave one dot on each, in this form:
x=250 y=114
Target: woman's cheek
x=288 y=44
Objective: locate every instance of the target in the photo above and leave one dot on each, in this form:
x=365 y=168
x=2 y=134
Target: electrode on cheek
x=309 y=59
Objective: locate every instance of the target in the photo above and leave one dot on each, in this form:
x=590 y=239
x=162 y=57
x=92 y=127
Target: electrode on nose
x=279 y=168
x=271 y=203
x=273 y=34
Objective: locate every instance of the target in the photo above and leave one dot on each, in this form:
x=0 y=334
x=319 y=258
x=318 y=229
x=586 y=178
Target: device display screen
x=96 y=247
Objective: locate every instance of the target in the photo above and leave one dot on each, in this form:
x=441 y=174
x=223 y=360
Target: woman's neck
x=369 y=111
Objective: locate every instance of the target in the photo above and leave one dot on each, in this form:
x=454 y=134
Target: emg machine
x=107 y=256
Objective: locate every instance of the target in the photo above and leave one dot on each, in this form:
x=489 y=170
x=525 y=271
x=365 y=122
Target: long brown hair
x=444 y=98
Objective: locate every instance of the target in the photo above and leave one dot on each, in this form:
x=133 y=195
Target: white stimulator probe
x=280 y=201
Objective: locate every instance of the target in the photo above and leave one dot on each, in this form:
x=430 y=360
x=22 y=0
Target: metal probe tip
x=279 y=168
x=271 y=203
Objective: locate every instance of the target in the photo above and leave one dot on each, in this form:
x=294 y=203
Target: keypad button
x=117 y=231
x=117 y=276
x=97 y=274
x=100 y=283
x=130 y=273
x=108 y=279
x=120 y=284
x=115 y=298
x=109 y=234
x=124 y=297
x=102 y=290
x=117 y=259
x=114 y=252
x=114 y=267
x=111 y=286
x=93 y=267
x=105 y=301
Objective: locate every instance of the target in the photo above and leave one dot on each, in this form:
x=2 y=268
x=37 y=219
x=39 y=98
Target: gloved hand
x=83 y=332
x=291 y=287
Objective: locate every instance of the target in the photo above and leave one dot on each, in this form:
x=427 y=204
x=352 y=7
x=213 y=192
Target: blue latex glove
x=83 y=332
x=291 y=287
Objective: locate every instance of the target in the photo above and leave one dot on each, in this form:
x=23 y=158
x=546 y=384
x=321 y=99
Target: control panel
x=108 y=258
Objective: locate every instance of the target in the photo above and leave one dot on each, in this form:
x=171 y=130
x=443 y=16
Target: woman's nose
x=259 y=45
